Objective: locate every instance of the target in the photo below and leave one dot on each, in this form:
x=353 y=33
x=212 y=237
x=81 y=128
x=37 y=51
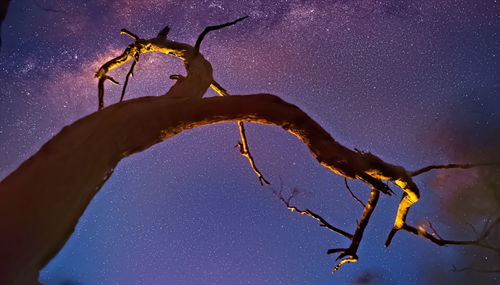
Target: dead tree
x=42 y=200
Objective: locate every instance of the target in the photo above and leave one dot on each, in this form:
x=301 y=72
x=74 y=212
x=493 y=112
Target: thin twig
x=473 y=228
x=434 y=232
x=475 y=269
x=129 y=33
x=245 y=151
x=213 y=28
x=322 y=222
x=100 y=88
x=450 y=166
x=439 y=241
x=352 y=193
x=129 y=74
x=243 y=144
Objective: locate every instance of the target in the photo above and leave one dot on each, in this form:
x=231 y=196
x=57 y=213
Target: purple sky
x=415 y=82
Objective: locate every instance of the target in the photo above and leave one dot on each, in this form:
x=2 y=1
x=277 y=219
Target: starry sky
x=414 y=82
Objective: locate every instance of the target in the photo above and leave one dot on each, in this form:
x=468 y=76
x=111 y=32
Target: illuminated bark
x=41 y=201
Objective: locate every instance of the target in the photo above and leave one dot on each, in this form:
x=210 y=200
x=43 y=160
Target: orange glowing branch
x=350 y=254
x=436 y=238
x=243 y=144
x=199 y=70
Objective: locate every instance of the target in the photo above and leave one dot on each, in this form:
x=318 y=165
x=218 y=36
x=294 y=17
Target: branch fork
x=352 y=164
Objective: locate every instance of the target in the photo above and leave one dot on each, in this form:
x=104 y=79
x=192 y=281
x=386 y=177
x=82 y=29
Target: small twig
x=434 y=232
x=450 y=166
x=473 y=228
x=475 y=269
x=352 y=193
x=322 y=222
x=245 y=151
x=243 y=144
x=129 y=33
x=100 y=88
x=213 y=28
x=129 y=74
x=439 y=241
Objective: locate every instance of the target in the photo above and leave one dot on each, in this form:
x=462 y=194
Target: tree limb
x=243 y=144
x=451 y=166
x=454 y=269
x=350 y=254
x=163 y=33
x=130 y=34
x=129 y=74
x=75 y=163
x=435 y=238
x=100 y=88
x=322 y=222
x=352 y=193
x=214 y=28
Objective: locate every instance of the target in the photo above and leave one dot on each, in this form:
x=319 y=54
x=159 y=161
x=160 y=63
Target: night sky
x=414 y=82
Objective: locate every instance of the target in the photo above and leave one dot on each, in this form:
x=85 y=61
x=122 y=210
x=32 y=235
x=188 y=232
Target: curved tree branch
x=41 y=202
x=214 y=28
x=349 y=255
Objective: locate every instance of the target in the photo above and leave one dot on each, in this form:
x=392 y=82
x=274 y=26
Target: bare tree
x=41 y=201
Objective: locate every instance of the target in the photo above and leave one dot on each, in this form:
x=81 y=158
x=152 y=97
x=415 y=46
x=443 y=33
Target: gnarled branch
x=82 y=156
